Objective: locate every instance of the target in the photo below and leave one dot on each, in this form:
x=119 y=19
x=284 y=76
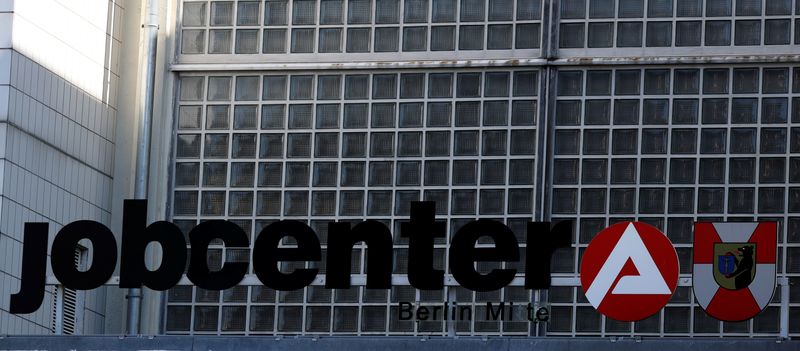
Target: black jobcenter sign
x=629 y=270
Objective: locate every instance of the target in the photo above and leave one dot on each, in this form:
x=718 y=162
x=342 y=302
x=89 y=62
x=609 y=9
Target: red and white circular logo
x=629 y=271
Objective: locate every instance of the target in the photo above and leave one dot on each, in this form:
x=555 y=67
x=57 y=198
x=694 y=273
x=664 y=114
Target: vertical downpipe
x=150 y=40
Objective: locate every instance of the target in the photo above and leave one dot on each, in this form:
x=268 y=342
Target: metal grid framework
x=597 y=144
x=344 y=146
x=669 y=146
x=359 y=26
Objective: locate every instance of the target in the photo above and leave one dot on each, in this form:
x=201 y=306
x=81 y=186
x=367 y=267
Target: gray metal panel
x=206 y=343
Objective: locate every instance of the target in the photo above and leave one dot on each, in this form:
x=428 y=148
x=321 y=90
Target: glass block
x=245 y=117
x=742 y=171
x=688 y=33
x=470 y=37
x=570 y=83
x=356 y=86
x=436 y=173
x=651 y=201
x=495 y=113
x=682 y=171
x=527 y=36
x=382 y=144
x=593 y=201
x=411 y=115
x=744 y=110
x=774 y=110
x=776 y=80
x=745 y=80
x=654 y=141
x=659 y=34
x=571 y=35
x=379 y=203
x=715 y=111
x=772 y=170
x=415 y=38
x=298 y=145
x=443 y=38
x=353 y=173
x=740 y=200
x=659 y=8
x=384 y=86
x=494 y=143
x=595 y=142
x=778 y=7
x=773 y=140
x=601 y=8
x=631 y=9
x=326 y=144
x=359 y=11
x=415 y=11
x=330 y=40
x=493 y=172
x=437 y=144
x=712 y=170
x=499 y=37
x=747 y=32
x=492 y=201
x=220 y=41
x=408 y=173
x=465 y=143
x=684 y=141
x=523 y=113
x=269 y=174
x=383 y=115
x=624 y=142
x=212 y=203
x=243 y=146
x=295 y=203
x=717 y=8
x=325 y=174
x=629 y=34
x=601 y=35
x=689 y=8
x=710 y=200
x=565 y=171
x=187 y=174
x=403 y=199
x=718 y=33
x=358 y=39
x=472 y=10
x=521 y=172
x=573 y=9
x=440 y=85
x=652 y=171
x=215 y=146
x=275 y=12
x=496 y=84
x=465 y=172
x=443 y=11
x=743 y=140
x=626 y=112
x=594 y=171
x=748 y=7
x=681 y=201
x=777 y=32
x=439 y=114
x=412 y=85
x=387 y=11
x=301 y=116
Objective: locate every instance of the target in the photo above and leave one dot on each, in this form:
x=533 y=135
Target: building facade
x=597 y=111
x=58 y=100
x=661 y=111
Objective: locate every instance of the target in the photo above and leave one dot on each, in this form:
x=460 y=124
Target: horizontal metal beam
x=572 y=61
x=388 y=343
x=374 y=65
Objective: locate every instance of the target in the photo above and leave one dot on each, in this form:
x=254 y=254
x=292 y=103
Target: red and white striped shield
x=734 y=268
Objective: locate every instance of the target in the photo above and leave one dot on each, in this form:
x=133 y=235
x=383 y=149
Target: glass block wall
x=670 y=146
x=505 y=134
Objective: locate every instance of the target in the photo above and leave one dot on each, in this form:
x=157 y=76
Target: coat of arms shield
x=734 y=268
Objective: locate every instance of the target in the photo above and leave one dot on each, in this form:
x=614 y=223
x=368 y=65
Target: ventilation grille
x=65 y=308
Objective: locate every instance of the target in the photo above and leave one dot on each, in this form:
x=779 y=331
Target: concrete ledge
x=331 y=343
